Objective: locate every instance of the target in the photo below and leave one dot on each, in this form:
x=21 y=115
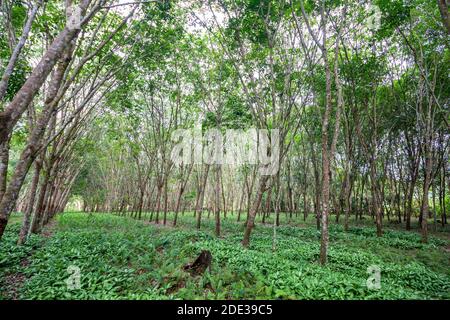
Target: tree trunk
x=252 y=214
x=217 y=201
x=12 y=113
x=199 y=207
x=27 y=216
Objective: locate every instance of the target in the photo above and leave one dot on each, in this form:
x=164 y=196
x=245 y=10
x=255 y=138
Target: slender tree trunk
x=4 y=160
x=199 y=207
x=12 y=113
x=325 y=149
x=18 y=48
x=24 y=231
x=217 y=200
x=268 y=205
x=445 y=16
x=252 y=214
x=165 y=200
x=240 y=204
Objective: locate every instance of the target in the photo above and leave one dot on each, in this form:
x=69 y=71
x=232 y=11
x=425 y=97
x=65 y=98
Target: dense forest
x=224 y=149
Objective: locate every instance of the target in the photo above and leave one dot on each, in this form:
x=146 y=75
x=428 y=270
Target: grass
x=122 y=258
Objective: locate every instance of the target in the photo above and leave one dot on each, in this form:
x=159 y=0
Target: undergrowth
x=122 y=258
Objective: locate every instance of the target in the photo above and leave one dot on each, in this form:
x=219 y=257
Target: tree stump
x=200 y=264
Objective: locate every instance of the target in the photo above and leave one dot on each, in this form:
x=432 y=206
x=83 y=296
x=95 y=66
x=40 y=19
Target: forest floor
x=122 y=258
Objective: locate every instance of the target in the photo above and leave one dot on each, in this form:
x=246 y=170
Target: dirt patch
x=48 y=230
x=14 y=281
x=161 y=225
x=208 y=287
x=25 y=263
x=141 y=271
x=177 y=286
x=154 y=283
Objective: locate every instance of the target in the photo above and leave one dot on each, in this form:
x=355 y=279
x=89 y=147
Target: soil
x=13 y=282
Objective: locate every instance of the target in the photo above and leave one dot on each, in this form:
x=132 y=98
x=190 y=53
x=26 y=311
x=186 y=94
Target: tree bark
x=12 y=113
x=18 y=48
x=445 y=16
x=252 y=214
x=24 y=231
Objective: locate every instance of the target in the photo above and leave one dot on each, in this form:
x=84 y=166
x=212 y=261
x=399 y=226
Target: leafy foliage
x=120 y=258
